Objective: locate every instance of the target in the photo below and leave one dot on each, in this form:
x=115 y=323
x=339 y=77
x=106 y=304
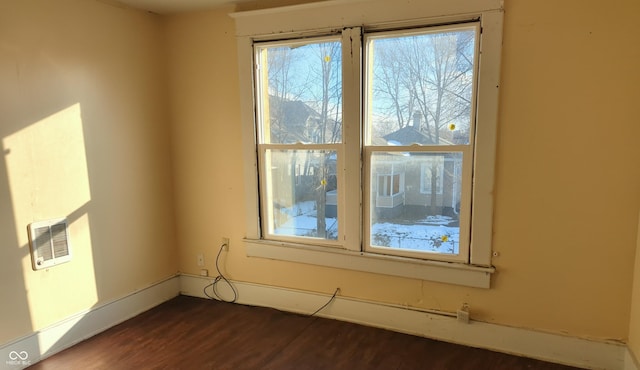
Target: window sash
x=265 y=186
x=467 y=149
x=464 y=242
x=262 y=93
x=372 y=35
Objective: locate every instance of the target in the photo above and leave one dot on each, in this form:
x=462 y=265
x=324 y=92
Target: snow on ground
x=420 y=237
x=429 y=235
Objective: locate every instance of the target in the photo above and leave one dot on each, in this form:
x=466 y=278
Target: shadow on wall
x=80 y=102
x=46 y=177
x=14 y=305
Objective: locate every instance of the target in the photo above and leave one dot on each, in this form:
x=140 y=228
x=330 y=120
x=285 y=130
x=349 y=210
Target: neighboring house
x=299 y=175
x=412 y=184
x=295 y=121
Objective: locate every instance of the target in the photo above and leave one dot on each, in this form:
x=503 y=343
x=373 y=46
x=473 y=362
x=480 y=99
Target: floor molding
x=39 y=345
x=524 y=342
x=32 y=348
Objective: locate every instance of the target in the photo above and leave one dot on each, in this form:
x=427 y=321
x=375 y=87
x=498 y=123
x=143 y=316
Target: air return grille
x=49 y=243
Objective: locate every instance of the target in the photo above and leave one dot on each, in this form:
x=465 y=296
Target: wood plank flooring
x=192 y=333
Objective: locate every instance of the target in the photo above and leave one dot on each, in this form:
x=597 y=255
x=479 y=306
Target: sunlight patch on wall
x=48 y=178
x=47 y=168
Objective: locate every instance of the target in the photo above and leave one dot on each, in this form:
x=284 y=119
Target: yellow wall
x=84 y=134
x=634 y=322
x=204 y=93
x=91 y=77
x=567 y=171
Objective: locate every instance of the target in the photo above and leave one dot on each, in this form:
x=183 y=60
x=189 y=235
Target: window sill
x=443 y=272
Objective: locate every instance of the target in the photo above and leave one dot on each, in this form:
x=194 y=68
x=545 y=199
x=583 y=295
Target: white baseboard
x=35 y=347
x=523 y=342
x=630 y=361
x=30 y=349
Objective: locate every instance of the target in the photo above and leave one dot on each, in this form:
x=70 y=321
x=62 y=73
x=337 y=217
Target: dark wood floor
x=193 y=333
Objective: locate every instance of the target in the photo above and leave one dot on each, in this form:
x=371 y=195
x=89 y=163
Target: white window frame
x=318 y=19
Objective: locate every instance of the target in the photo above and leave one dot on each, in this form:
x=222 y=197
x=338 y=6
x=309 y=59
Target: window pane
x=421 y=87
x=423 y=215
x=300 y=93
x=301 y=193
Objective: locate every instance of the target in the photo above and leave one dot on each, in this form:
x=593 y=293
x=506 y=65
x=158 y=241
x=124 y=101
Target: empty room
x=299 y=184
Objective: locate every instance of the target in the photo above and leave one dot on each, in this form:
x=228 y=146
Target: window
x=374 y=141
x=388 y=185
x=419 y=96
x=432 y=176
x=389 y=189
x=420 y=89
x=299 y=100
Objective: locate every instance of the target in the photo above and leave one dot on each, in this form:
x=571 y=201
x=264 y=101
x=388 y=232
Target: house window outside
x=388 y=185
x=432 y=175
x=334 y=107
x=389 y=188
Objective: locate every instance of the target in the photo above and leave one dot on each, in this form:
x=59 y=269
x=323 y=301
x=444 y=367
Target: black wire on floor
x=218 y=279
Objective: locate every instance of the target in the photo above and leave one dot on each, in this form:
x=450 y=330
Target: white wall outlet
x=225 y=243
x=463 y=314
x=200 y=259
x=204 y=272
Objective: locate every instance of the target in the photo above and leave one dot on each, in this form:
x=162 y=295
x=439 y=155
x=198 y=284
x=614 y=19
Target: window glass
x=414 y=219
x=301 y=193
x=421 y=87
x=299 y=101
x=300 y=92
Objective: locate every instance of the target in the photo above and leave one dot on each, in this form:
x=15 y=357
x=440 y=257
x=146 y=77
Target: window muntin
x=432 y=135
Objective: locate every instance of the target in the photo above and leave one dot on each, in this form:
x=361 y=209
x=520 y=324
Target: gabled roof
x=289 y=118
x=296 y=121
x=295 y=112
x=408 y=135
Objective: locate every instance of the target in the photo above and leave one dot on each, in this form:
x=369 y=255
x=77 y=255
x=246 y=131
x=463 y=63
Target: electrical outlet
x=463 y=314
x=225 y=242
x=200 y=259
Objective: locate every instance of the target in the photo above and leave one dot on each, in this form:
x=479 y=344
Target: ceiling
x=176 y=6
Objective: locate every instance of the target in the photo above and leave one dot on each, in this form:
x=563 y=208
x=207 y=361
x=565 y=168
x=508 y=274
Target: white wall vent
x=49 y=242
